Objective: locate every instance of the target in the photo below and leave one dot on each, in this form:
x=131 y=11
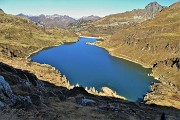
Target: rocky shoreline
x=128 y=59
x=27 y=97
x=122 y=56
x=111 y=93
x=154 y=97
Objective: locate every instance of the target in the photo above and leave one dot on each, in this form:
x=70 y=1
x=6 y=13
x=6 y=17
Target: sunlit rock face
x=154 y=8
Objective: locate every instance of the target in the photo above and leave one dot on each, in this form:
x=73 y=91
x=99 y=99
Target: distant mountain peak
x=154 y=5
x=42 y=15
x=22 y=15
x=154 y=8
x=56 y=20
x=90 y=18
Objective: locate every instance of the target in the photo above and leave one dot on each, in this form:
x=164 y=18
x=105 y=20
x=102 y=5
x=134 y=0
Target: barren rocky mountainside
x=156 y=44
x=90 y=18
x=108 y=25
x=57 y=21
x=51 y=21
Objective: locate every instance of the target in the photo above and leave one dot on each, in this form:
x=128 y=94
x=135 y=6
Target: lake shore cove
x=50 y=103
x=155 y=44
x=66 y=83
x=86 y=68
x=50 y=74
x=152 y=45
x=163 y=93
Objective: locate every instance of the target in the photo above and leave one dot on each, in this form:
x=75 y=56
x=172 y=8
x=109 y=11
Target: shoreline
x=44 y=48
x=124 y=57
x=97 y=38
x=158 y=92
x=72 y=86
x=134 y=61
x=95 y=93
x=41 y=49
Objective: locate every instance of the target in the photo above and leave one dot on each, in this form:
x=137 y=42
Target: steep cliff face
x=155 y=43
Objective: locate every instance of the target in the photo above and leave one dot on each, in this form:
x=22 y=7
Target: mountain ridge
x=108 y=25
x=58 y=21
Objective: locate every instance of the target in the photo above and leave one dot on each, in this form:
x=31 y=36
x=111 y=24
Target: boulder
x=5 y=91
x=7 y=96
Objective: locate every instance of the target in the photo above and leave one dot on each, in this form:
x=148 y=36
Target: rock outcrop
x=23 y=96
x=153 y=9
x=173 y=62
x=6 y=94
x=16 y=87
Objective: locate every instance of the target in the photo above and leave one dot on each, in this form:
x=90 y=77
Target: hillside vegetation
x=108 y=25
x=20 y=36
x=154 y=43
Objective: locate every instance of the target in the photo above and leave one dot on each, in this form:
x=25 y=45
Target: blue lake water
x=90 y=66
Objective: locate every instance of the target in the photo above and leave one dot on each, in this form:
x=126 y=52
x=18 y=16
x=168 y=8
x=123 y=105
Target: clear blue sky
x=75 y=8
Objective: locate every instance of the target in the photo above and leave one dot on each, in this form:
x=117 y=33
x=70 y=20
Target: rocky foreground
x=24 y=96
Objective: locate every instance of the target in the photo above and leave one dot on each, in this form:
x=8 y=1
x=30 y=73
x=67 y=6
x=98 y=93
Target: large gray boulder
x=6 y=94
x=8 y=98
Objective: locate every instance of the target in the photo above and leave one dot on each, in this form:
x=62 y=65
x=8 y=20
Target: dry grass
x=17 y=31
x=151 y=42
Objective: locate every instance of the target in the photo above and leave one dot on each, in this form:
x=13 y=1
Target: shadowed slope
x=34 y=99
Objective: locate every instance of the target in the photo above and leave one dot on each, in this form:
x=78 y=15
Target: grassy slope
x=20 y=37
x=108 y=25
x=17 y=33
x=156 y=41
